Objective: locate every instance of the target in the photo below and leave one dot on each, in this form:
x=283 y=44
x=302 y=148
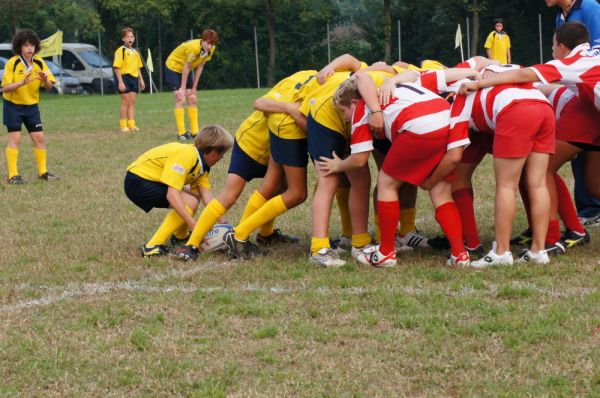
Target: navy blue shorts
x=173 y=80
x=322 y=141
x=289 y=152
x=243 y=165
x=15 y=115
x=132 y=84
x=146 y=194
x=382 y=145
x=585 y=147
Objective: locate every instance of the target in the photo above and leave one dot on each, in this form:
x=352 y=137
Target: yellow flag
x=458 y=38
x=52 y=45
x=149 y=63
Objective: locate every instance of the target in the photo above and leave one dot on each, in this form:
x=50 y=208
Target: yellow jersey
x=128 y=61
x=498 y=43
x=174 y=165
x=253 y=137
x=15 y=70
x=190 y=51
x=318 y=101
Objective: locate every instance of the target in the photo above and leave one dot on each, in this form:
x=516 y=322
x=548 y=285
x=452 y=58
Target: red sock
x=464 y=203
x=447 y=216
x=389 y=214
x=526 y=202
x=553 y=235
x=566 y=209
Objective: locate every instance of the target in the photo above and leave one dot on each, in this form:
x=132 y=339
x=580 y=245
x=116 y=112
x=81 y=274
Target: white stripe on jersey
x=507 y=96
x=428 y=123
x=559 y=98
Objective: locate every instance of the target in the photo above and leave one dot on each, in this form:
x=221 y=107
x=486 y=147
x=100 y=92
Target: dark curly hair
x=25 y=36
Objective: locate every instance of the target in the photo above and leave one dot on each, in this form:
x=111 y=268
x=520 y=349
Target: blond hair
x=346 y=92
x=213 y=137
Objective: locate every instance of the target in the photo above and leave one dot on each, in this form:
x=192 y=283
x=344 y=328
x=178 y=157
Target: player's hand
x=329 y=166
x=291 y=107
x=222 y=220
x=385 y=92
x=43 y=76
x=426 y=185
x=466 y=88
x=142 y=85
x=324 y=74
x=122 y=87
x=180 y=95
x=376 y=124
x=28 y=78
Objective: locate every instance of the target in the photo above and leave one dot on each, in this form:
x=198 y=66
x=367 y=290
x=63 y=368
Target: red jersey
x=412 y=109
x=480 y=109
x=579 y=71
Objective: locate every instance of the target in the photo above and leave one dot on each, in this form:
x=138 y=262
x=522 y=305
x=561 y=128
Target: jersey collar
x=203 y=165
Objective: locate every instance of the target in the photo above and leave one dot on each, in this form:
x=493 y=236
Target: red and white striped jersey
x=435 y=80
x=480 y=109
x=412 y=109
x=579 y=71
x=559 y=98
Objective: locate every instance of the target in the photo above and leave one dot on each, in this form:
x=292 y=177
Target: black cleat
x=276 y=237
x=175 y=241
x=187 y=253
x=157 y=250
x=240 y=249
x=185 y=136
x=439 y=243
x=476 y=253
x=47 y=176
x=523 y=239
x=16 y=180
x=572 y=238
x=556 y=249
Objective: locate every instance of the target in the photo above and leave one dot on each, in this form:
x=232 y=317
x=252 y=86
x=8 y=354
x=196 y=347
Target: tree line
x=292 y=34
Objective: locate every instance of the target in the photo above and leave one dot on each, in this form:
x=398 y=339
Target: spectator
x=497 y=43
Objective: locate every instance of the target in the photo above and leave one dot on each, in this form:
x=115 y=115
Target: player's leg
x=360 y=186
x=131 y=111
x=173 y=221
x=173 y=81
x=539 y=196
x=12 y=155
x=192 y=111
x=33 y=123
x=123 y=108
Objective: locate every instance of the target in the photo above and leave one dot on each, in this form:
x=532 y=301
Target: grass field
x=82 y=314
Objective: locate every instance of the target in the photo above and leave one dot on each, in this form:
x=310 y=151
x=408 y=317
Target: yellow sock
x=407 y=221
x=267 y=228
x=193 y=116
x=12 y=158
x=360 y=240
x=123 y=123
x=317 y=244
x=130 y=123
x=207 y=219
x=267 y=212
x=171 y=223
x=342 y=195
x=254 y=203
x=40 y=159
x=182 y=232
x=378 y=232
x=180 y=120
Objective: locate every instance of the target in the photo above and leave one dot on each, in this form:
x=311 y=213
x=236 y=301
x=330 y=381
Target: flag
x=458 y=38
x=149 y=63
x=52 y=45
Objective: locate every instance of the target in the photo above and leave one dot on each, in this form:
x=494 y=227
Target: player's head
x=128 y=36
x=210 y=38
x=213 y=141
x=568 y=36
x=499 y=24
x=346 y=96
x=26 y=42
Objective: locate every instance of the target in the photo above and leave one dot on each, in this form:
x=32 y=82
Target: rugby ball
x=213 y=240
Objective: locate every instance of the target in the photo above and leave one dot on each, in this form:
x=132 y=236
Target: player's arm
x=268 y=105
x=368 y=92
x=455 y=74
x=175 y=198
x=445 y=167
x=197 y=74
x=387 y=88
x=140 y=77
x=524 y=75
x=180 y=94
x=344 y=62
x=508 y=57
x=337 y=165
x=380 y=67
x=119 y=79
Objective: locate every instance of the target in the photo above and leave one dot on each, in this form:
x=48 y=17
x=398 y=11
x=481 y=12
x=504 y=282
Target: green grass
x=82 y=314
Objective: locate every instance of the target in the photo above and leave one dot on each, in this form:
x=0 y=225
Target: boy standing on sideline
x=128 y=79
x=187 y=57
x=23 y=75
x=159 y=178
x=497 y=43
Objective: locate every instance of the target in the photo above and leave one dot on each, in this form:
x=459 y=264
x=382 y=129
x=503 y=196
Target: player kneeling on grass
x=423 y=153
x=23 y=75
x=158 y=178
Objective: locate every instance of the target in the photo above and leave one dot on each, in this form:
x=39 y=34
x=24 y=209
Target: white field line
x=144 y=285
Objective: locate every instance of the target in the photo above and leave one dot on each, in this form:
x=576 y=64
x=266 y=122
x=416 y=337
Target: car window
x=3 y=62
x=69 y=61
x=94 y=59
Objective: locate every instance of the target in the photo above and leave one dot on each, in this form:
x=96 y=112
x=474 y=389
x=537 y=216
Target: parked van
x=81 y=61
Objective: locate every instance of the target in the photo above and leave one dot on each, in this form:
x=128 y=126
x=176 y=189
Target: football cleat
x=462 y=260
x=156 y=250
x=175 y=241
x=590 y=221
x=476 y=252
x=16 y=180
x=571 y=238
x=326 y=257
x=410 y=241
x=134 y=128
x=378 y=259
x=556 y=249
x=47 y=176
x=359 y=251
x=439 y=243
x=187 y=253
x=185 y=136
x=276 y=237
x=124 y=129
x=241 y=249
x=523 y=239
x=493 y=258
x=528 y=256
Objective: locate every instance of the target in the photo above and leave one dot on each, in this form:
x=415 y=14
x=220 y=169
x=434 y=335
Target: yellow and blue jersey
x=15 y=71
x=128 y=61
x=174 y=164
x=190 y=51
